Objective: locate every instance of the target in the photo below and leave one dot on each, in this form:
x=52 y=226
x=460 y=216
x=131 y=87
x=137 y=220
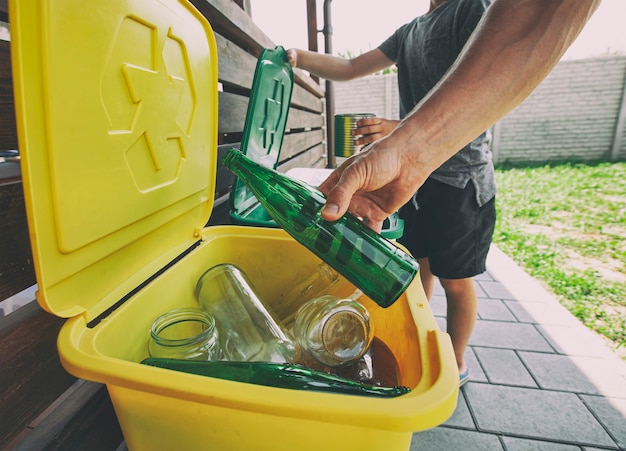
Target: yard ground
x=565 y=225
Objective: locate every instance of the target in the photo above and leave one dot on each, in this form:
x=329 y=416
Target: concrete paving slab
x=461 y=418
x=516 y=291
x=519 y=285
x=497 y=290
x=480 y=292
x=520 y=444
x=532 y=413
x=477 y=374
x=443 y=438
x=503 y=269
x=438 y=305
x=503 y=366
x=494 y=309
x=575 y=341
x=585 y=375
x=551 y=313
x=611 y=413
x=509 y=335
x=484 y=276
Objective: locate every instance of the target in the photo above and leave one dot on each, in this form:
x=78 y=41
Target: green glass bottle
x=373 y=264
x=281 y=375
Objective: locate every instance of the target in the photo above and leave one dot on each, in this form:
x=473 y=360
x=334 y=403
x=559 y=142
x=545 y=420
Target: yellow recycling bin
x=116 y=106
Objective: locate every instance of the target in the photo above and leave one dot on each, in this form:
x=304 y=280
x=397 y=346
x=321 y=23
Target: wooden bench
x=41 y=405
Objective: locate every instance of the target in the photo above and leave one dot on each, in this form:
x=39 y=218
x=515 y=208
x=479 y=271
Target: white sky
x=361 y=25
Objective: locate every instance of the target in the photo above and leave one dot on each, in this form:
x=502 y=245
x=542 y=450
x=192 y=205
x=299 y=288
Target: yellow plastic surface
x=116 y=104
x=161 y=409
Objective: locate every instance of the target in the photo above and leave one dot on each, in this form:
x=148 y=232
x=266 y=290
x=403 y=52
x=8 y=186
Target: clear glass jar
x=334 y=331
x=249 y=330
x=185 y=333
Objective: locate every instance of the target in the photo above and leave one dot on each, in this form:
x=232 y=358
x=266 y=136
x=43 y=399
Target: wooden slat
x=235 y=66
x=314 y=158
x=232 y=112
x=234 y=24
x=296 y=143
x=16 y=263
x=224 y=177
x=32 y=376
x=299 y=119
x=230 y=21
x=305 y=99
x=8 y=129
x=309 y=84
x=84 y=406
x=233 y=109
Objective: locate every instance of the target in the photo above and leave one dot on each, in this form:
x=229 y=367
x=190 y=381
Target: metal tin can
x=344 y=141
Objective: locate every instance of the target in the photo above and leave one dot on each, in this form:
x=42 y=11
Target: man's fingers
x=339 y=190
x=376 y=226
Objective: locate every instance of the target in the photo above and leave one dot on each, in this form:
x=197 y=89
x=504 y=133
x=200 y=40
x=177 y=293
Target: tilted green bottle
x=373 y=264
x=280 y=375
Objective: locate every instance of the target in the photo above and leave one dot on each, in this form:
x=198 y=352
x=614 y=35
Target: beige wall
x=578 y=112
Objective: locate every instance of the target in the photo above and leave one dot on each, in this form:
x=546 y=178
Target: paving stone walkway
x=539 y=380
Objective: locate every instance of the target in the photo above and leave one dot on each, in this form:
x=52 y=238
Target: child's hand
x=292 y=57
x=370 y=129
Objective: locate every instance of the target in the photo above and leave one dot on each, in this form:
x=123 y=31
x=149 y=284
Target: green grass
x=565 y=224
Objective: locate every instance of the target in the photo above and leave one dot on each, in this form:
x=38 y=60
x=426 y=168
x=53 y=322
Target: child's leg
x=461 y=316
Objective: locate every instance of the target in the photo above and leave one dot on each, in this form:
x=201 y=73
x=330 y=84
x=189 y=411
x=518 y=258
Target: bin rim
x=429 y=404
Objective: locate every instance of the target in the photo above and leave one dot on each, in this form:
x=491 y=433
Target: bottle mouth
x=182 y=327
x=345 y=335
x=232 y=152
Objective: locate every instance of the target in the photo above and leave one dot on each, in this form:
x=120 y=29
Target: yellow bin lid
x=116 y=106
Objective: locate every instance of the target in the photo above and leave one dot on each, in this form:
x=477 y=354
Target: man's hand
x=373 y=184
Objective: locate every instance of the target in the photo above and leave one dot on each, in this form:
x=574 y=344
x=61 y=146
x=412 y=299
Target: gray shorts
x=449 y=228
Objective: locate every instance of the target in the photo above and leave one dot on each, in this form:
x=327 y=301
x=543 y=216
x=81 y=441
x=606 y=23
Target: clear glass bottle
x=185 y=333
x=334 y=331
x=319 y=282
x=279 y=375
x=249 y=330
x=373 y=264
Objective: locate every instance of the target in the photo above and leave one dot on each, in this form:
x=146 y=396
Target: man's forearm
x=513 y=49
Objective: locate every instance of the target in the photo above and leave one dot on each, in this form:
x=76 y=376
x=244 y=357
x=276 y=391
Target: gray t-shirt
x=424 y=49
